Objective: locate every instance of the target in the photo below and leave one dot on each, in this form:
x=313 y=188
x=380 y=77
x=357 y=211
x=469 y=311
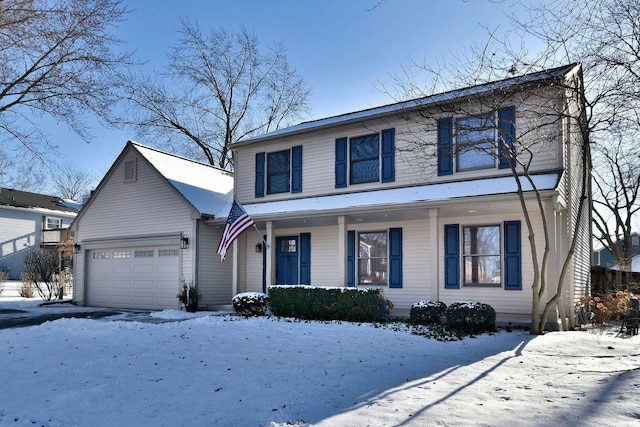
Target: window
x=52 y=223
x=121 y=254
x=482 y=259
x=364 y=159
x=372 y=258
x=482 y=141
x=491 y=255
x=475 y=140
x=361 y=159
x=278 y=172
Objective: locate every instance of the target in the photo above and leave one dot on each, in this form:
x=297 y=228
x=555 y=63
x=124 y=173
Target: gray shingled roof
x=24 y=199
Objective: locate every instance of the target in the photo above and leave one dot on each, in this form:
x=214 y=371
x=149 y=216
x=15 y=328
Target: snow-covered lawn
x=222 y=370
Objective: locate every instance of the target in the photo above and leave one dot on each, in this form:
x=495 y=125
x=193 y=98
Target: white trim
x=134 y=241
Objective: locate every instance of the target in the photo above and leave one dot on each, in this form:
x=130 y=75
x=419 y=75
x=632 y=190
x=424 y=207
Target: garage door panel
x=140 y=278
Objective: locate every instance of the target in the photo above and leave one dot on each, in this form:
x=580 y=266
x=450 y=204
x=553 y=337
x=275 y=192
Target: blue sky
x=341 y=47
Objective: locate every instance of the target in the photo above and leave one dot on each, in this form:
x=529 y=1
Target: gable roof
x=208 y=189
x=26 y=200
x=552 y=74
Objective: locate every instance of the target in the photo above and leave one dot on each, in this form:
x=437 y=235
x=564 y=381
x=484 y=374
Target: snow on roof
x=505 y=84
x=208 y=189
x=400 y=196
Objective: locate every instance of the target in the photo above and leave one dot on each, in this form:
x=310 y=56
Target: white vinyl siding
x=214 y=277
x=144 y=208
x=415 y=162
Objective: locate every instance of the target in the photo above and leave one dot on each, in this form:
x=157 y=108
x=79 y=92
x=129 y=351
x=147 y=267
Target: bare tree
x=56 y=59
x=217 y=89
x=72 y=182
x=605 y=36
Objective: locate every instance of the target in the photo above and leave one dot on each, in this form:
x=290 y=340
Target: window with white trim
x=482 y=256
x=52 y=223
x=373 y=258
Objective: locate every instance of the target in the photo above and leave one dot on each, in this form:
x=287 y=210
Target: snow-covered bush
x=251 y=303
x=470 y=316
x=41 y=266
x=427 y=312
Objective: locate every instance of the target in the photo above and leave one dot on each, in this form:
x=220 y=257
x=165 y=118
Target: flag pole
x=261 y=236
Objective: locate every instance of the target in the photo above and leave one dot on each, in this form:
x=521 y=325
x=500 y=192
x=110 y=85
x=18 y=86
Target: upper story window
x=482 y=141
x=362 y=159
x=279 y=172
x=52 y=223
x=475 y=140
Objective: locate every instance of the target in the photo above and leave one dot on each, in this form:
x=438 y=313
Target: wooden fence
x=605 y=280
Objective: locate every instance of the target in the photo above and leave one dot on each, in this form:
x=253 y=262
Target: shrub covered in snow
x=251 y=303
x=329 y=303
x=427 y=312
x=470 y=316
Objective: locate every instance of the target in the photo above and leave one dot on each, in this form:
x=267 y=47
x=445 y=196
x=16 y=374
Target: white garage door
x=141 y=278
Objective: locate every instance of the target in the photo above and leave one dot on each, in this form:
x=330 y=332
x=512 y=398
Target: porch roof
x=398 y=197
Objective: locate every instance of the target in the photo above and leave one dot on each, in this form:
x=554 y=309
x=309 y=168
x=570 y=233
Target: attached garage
x=144 y=277
x=145 y=228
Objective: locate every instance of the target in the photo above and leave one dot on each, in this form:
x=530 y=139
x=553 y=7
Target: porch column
x=434 y=276
x=270 y=256
x=342 y=251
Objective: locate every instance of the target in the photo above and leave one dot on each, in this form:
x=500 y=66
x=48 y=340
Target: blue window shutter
x=445 y=146
x=452 y=256
x=507 y=132
x=512 y=256
x=305 y=258
x=341 y=162
x=388 y=155
x=296 y=169
x=351 y=258
x=395 y=257
x=260 y=174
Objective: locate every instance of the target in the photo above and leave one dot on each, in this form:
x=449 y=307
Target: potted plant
x=188 y=296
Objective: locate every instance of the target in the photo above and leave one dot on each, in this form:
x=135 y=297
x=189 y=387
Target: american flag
x=237 y=222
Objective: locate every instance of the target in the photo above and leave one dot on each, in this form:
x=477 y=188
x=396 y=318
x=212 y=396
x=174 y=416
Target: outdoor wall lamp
x=259 y=248
x=76 y=248
x=184 y=242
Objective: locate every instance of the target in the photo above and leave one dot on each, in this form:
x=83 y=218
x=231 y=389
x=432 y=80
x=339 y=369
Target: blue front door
x=287 y=260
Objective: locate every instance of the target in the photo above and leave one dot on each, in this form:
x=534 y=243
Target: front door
x=287 y=260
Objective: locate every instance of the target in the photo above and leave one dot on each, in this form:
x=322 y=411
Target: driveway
x=17 y=318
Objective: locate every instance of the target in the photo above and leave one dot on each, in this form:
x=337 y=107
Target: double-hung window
x=475 y=141
x=483 y=255
x=278 y=172
x=482 y=261
x=372 y=258
x=481 y=141
x=364 y=159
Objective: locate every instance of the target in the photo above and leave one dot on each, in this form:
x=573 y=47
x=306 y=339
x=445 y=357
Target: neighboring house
x=144 y=230
x=31 y=220
x=356 y=200
x=603 y=256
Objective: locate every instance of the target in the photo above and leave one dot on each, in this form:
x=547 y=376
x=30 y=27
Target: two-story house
x=31 y=220
x=420 y=198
